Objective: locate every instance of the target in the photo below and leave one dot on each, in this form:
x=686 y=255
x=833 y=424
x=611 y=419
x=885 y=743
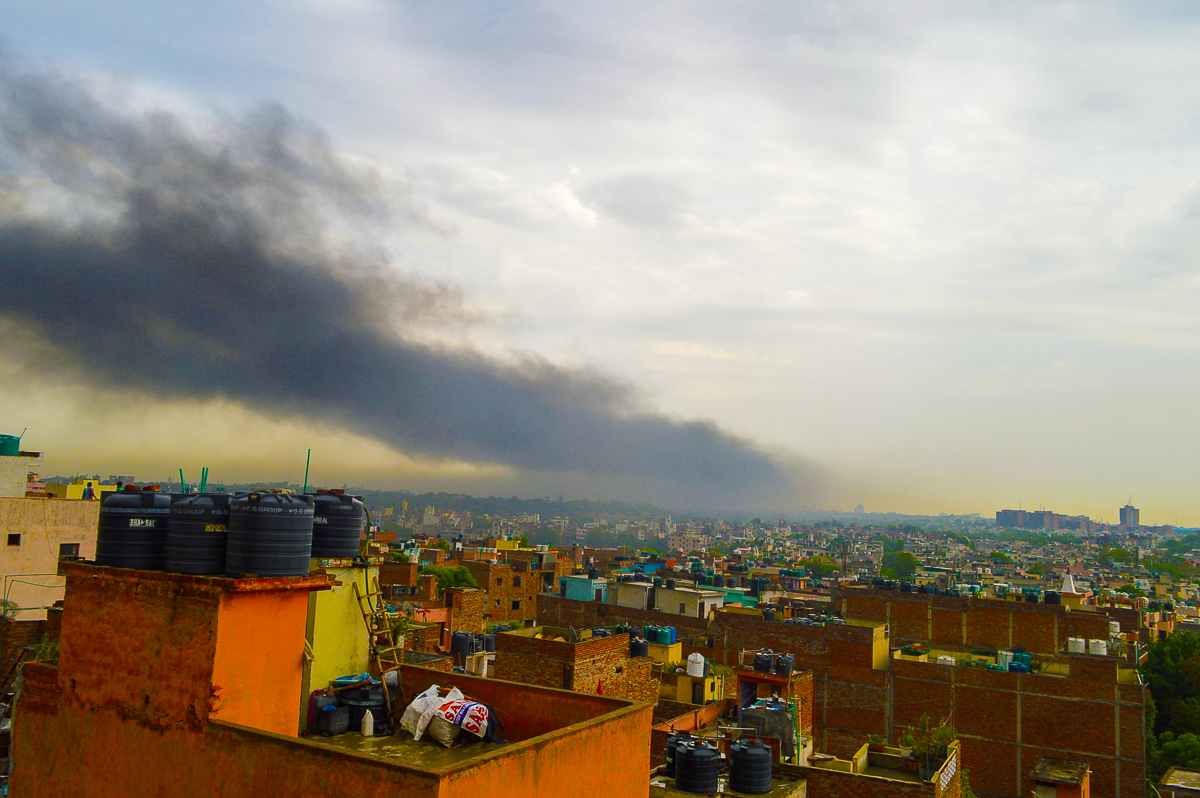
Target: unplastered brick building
x=512 y=590
x=547 y=656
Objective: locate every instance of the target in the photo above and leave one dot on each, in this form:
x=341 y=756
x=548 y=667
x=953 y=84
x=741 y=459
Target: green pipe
x=307 y=460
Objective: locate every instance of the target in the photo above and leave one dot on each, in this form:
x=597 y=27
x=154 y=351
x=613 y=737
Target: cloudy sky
x=921 y=256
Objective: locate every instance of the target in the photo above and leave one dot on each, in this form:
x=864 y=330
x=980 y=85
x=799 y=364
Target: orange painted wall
x=258 y=666
x=71 y=748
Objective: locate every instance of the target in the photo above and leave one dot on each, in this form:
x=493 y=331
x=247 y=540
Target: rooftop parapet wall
x=972 y=621
x=74 y=749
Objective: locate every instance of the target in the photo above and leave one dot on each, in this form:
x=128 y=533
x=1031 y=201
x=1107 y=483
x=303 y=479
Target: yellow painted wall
x=336 y=632
x=666 y=654
x=75 y=489
x=43 y=525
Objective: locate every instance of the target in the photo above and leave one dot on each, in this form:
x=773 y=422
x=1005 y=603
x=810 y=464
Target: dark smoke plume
x=207 y=260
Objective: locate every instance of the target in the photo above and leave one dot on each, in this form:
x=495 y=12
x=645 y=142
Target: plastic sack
x=457 y=712
x=427 y=701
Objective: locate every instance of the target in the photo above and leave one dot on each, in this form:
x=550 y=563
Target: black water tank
x=670 y=584
x=593 y=573
x=270 y=534
x=197 y=533
x=764 y=661
x=460 y=643
x=768 y=615
x=638 y=647
x=923 y=589
x=133 y=529
x=696 y=767
x=1053 y=597
x=784 y=664
x=889 y=585
x=337 y=525
x=877 y=582
x=363 y=700
x=749 y=767
x=906 y=587
x=489 y=643
x=673 y=741
x=1031 y=598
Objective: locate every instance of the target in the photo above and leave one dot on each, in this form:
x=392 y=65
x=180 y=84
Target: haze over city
x=929 y=258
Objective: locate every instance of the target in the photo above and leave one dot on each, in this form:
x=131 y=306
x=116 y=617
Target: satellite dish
x=407 y=607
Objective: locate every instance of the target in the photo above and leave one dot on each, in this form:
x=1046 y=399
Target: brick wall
x=512 y=596
x=563 y=612
x=823 y=783
x=1006 y=721
x=424 y=638
x=600 y=665
x=972 y=622
x=470 y=607
x=398 y=573
x=14 y=634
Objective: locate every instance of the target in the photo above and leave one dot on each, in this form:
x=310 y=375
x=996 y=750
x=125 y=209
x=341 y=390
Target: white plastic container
x=944 y=660
x=695 y=666
x=1098 y=647
x=1114 y=628
x=1076 y=645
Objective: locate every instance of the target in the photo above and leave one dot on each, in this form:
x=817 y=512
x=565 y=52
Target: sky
x=926 y=257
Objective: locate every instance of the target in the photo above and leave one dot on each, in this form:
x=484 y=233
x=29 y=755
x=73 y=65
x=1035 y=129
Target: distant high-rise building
x=1130 y=515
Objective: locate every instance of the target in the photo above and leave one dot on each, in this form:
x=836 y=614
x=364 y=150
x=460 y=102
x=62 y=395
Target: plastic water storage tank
x=197 y=532
x=669 y=755
x=461 y=643
x=337 y=525
x=749 y=767
x=696 y=767
x=784 y=664
x=695 y=666
x=1076 y=645
x=764 y=661
x=638 y=647
x=133 y=529
x=1098 y=647
x=270 y=534
x=1114 y=628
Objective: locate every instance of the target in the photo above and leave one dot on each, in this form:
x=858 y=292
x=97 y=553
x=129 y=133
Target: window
x=516 y=605
x=516 y=581
x=499 y=581
x=497 y=602
x=68 y=551
x=682 y=608
x=14 y=539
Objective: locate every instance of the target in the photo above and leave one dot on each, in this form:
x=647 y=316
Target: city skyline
x=937 y=260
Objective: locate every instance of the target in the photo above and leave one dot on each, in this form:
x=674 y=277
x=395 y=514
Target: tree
x=1037 y=569
x=455 y=576
x=820 y=567
x=1172 y=672
x=999 y=556
x=1182 y=751
x=906 y=565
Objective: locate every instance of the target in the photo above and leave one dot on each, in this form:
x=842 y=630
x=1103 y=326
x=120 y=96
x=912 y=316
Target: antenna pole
x=307 y=461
